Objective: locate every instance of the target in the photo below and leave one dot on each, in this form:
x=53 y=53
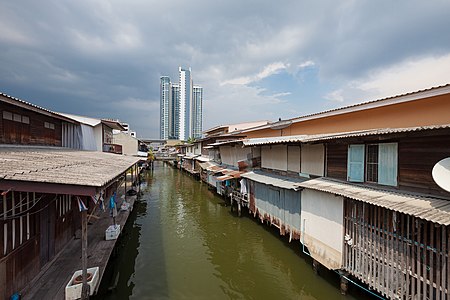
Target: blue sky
x=256 y=60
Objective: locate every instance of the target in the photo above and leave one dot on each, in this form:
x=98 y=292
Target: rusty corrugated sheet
x=427 y=208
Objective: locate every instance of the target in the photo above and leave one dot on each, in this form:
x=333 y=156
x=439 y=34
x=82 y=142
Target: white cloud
x=408 y=76
x=269 y=70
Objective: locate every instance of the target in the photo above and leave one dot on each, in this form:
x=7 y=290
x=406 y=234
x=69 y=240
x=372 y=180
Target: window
x=372 y=163
x=49 y=125
x=15 y=117
x=7 y=115
x=379 y=160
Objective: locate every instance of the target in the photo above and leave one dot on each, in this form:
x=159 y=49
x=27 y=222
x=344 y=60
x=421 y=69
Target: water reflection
x=184 y=243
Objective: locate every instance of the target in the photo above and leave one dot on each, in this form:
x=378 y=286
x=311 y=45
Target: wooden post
x=125 y=186
x=85 y=287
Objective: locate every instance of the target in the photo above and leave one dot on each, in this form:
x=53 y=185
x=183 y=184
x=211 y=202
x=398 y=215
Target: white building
x=180 y=107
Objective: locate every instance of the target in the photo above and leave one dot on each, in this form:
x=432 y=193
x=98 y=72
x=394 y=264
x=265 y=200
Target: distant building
x=180 y=107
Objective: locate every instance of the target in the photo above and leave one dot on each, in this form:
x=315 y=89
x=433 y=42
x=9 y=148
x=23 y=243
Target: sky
x=256 y=60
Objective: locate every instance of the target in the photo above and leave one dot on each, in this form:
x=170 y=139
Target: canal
x=183 y=242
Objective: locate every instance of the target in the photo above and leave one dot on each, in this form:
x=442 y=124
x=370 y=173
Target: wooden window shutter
x=387 y=164
x=355 y=165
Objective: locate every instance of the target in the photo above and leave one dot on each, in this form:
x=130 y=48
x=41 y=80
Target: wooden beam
x=47 y=188
x=85 y=287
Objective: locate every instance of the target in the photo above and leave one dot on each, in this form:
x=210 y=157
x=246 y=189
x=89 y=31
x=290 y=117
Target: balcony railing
x=112 y=148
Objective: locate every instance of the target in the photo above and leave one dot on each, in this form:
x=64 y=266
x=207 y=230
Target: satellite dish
x=441 y=173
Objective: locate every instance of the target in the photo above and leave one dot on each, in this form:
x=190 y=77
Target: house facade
x=354 y=186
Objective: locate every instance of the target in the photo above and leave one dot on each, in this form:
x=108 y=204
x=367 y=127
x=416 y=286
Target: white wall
x=230 y=155
x=323 y=227
x=294 y=158
x=98 y=134
x=274 y=157
x=313 y=159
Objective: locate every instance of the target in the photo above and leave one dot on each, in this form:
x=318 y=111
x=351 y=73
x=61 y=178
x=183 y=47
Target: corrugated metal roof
x=205 y=165
x=202 y=158
x=370 y=132
x=224 y=143
x=427 y=208
x=274 y=180
x=274 y=140
x=338 y=135
x=61 y=165
x=224 y=177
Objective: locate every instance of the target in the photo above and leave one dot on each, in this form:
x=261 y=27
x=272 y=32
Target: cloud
x=254 y=59
x=268 y=70
x=407 y=76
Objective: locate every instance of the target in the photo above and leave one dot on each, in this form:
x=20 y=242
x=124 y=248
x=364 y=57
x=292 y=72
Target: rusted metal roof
x=427 y=208
x=205 y=165
x=338 y=135
x=224 y=177
x=61 y=165
x=274 y=180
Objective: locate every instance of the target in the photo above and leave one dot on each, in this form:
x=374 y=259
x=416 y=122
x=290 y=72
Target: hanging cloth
x=113 y=205
x=243 y=183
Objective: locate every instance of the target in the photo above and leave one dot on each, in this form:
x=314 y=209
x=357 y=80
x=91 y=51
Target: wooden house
x=23 y=123
x=38 y=206
x=366 y=204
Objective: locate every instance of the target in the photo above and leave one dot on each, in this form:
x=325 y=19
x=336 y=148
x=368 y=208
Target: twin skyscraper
x=180 y=108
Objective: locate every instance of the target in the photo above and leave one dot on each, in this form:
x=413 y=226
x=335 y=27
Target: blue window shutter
x=387 y=164
x=355 y=163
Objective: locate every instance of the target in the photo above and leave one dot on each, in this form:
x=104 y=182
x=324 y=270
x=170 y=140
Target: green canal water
x=183 y=242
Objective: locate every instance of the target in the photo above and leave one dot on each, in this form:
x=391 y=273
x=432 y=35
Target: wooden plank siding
x=337 y=161
x=34 y=133
x=416 y=157
x=400 y=256
x=20 y=258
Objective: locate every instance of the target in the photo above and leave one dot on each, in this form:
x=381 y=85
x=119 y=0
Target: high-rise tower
x=164 y=109
x=181 y=107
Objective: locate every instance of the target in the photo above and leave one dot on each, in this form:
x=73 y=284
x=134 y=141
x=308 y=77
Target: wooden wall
x=34 y=133
x=416 y=158
x=51 y=220
x=21 y=262
x=399 y=256
x=417 y=154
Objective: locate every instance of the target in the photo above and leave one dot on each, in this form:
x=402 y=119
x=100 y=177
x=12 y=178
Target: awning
x=205 y=165
x=427 y=208
x=274 y=180
x=190 y=156
x=224 y=177
x=202 y=158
